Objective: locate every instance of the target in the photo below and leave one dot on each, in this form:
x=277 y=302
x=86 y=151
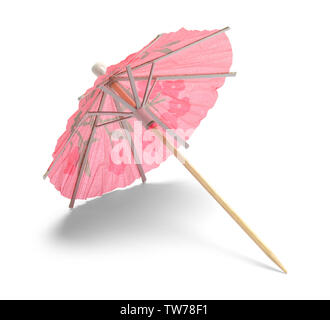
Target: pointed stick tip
x=278 y=263
x=284 y=270
x=71 y=205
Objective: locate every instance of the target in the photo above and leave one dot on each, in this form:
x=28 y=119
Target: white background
x=264 y=148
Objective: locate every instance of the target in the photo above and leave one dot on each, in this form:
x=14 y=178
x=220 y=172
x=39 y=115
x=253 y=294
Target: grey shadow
x=145 y=211
x=155 y=213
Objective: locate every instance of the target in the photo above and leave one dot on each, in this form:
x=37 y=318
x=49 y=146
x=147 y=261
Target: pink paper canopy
x=83 y=161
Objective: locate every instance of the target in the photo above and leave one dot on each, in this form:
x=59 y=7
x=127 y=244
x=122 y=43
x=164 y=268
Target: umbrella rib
x=112 y=121
x=89 y=95
x=151 y=43
x=180 y=49
x=148 y=84
x=110 y=92
x=66 y=143
x=168 y=130
x=197 y=76
x=182 y=76
x=85 y=154
x=148 y=95
x=124 y=126
x=133 y=87
x=109 y=113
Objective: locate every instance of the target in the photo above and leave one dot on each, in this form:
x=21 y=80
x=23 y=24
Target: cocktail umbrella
x=158 y=94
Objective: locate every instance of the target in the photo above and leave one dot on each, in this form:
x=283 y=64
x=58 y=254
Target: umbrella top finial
x=99 y=69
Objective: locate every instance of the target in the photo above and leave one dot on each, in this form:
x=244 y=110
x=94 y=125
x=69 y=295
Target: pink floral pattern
x=176 y=106
x=72 y=161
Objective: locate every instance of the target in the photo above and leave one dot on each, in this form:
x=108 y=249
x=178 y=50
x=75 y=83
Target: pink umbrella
x=137 y=114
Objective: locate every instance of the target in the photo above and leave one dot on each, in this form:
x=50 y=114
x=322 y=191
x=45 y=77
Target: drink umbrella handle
x=215 y=195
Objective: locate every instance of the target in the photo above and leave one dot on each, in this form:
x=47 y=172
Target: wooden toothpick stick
x=215 y=195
